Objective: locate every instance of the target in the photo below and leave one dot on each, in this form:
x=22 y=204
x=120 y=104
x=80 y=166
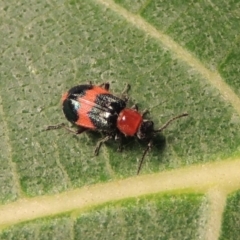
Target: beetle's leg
x=62 y=125
x=125 y=91
x=53 y=127
x=134 y=107
x=119 y=137
x=145 y=112
x=149 y=146
x=80 y=130
x=100 y=142
x=106 y=86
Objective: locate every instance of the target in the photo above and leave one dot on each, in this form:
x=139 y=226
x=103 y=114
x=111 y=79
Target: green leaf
x=177 y=57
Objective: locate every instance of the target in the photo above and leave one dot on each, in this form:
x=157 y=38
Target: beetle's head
x=146 y=129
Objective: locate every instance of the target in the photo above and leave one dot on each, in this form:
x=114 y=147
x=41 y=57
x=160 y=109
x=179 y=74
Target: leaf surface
x=178 y=58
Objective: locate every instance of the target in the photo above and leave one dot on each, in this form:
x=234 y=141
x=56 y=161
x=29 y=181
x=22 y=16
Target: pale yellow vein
x=213 y=77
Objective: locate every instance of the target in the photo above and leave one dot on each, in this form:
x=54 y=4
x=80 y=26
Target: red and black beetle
x=91 y=107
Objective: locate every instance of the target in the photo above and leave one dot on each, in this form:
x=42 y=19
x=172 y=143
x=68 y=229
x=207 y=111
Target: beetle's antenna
x=143 y=156
x=169 y=121
x=151 y=143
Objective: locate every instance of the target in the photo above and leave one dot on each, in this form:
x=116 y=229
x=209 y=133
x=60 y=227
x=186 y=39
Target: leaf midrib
x=223 y=176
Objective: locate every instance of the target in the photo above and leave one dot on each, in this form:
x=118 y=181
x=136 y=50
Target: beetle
x=91 y=107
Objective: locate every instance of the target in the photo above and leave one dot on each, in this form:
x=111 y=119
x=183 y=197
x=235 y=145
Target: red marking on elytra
x=87 y=102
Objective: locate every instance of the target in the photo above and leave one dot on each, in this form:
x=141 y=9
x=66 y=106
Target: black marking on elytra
x=71 y=104
x=70 y=109
x=101 y=119
x=105 y=112
x=78 y=91
x=111 y=102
